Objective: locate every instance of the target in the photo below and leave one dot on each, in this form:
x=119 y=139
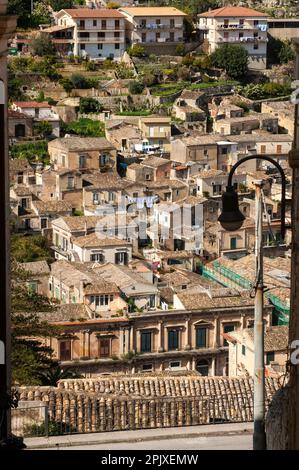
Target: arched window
x=202 y=367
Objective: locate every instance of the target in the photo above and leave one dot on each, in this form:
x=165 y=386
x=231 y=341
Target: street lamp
x=232 y=219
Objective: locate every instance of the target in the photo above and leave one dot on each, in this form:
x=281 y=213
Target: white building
x=154 y=26
x=93 y=33
x=39 y=112
x=92 y=248
x=237 y=25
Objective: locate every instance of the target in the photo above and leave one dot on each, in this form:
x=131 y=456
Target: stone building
x=82 y=153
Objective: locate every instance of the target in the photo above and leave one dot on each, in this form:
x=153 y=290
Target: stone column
x=216 y=332
x=213 y=366
x=193 y=365
x=160 y=337
x=121 y=341
x=187 y=335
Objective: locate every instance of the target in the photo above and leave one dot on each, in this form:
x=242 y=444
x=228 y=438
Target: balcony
x=97 y=40
x=246 y=26
x=246 y=40
x=154 y=27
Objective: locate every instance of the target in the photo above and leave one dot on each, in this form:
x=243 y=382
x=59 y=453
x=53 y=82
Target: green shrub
x=31 y=151
x=85 y=128
x=90 y=105
x=136 y=88
x=136 y=51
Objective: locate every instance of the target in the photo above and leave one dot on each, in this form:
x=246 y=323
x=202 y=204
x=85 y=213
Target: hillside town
x=125 y=123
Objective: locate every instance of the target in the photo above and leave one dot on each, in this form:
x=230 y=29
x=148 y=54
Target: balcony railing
x=153 y=27
x=244 y=39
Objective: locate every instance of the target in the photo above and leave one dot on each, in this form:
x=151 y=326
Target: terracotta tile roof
x=81 y=143
x=152 y=11
x=52 y=206
x=16 y=165
x=36 y=267
x=94 y=240
x=276 y=338
x=93 y=13
x=65 y=313
x=225 y=298
x=31 y=104
x=226 y=12
x=154 y=162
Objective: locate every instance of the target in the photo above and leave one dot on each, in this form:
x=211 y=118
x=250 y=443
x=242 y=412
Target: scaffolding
x=228 y=278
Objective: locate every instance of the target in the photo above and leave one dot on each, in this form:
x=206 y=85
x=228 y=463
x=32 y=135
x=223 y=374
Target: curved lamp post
x=232 y=219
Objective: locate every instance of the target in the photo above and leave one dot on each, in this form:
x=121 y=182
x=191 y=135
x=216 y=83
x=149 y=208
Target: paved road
x=237 y=442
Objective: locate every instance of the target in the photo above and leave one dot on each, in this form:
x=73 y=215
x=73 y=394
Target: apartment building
x=82 y=153
x=154 y=27
x=201 y=149
x=237 y=25
x=157 y=131
x=93 y=33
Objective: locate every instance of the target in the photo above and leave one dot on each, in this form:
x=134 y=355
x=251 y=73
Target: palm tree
x=52 y=376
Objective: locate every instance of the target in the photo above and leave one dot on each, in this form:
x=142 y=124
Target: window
x=201 y=337
x=121 y=257
x=147 y=367
x=82 y=47
x=174 y=364
x=104 y=347
x=255 y=22
x=95 y=198
x=143 y=23
x=243 y=350
x=103 y=159
x=263 y=148
x=70 y=182
x=101 y=35
x=173 y=340
x=158 y=35
x=32 y=287
x=255 y=46
x=104 y=24
x=278 y=148
x=117 y=34
x=116 y=24
x=97 y=257
x=233 y=243
x=146 y=341
x=241 y=21
x=152 y=301
x=158 y=21
x=82 y=161
x=227 y=329
x=82 y=24
x=202 y=367
x=269 y=357
x=43 y=223
x=161 y=130
x=143 y=37
x=172 y=24
x=65 y=350
x=116 y=46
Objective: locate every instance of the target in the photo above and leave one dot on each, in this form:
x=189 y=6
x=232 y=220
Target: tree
x=31 y=248
x=43 y=129
x=80 y=82
x=23 y=9
x=85 y=128
x=42 y=45
x=58 y=5
x=136 y=51
x=52 y=376
x=286 y=53
x=136 y=88
x=90 y=105
x=232 y=58
x=30 y=356
x=67 y=84
x=113 y=5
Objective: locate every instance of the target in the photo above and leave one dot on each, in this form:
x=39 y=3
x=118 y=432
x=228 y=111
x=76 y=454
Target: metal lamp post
x=232 y=219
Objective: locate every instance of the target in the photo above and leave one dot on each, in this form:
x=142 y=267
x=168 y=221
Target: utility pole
x=259 y=435
x=7 y=27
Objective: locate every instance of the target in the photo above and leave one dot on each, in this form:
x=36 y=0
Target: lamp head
x=231 y=218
